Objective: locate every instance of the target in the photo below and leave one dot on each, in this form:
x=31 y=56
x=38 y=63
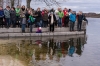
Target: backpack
x=31 y=19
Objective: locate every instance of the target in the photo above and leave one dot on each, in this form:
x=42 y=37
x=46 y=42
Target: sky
x=75 y=5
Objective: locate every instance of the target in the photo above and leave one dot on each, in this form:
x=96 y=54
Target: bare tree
x=12 y=2
x=28 y=3
x=47 y=2
x=1 y=2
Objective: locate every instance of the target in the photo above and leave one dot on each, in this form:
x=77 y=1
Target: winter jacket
x=80 y=18
x=54 y=17
x=45 y=17
x=23 y=14
x=65 y=12
x=60 y=14
x=39 y=16
x=1 y=13
x=13 y=15
x=17 y=11
x=7 y=13
x=72 y=17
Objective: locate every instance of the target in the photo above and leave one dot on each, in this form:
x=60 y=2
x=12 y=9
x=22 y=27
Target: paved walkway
x=41 y=34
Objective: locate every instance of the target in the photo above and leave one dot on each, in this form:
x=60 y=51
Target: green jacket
x=61 y=14
x=17 y=11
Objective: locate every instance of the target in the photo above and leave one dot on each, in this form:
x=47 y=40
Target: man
x=80 y=18
x=38 y=17
x=61 y=15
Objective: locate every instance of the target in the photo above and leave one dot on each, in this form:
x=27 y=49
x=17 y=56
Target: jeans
x=13 y=22
x=79 y=26
x=39 y=24
x=18 y=21
x=31 y=26
x=52 y=27
x=8 y=22
x=72 y=26
x=1 y=22
x=23 y=27
x=45 y=23
x=60 y=22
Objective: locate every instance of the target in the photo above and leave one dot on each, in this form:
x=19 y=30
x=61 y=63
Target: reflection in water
x=43 y=53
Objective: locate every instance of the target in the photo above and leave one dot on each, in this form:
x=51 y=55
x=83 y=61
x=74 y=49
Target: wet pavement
x=53 y=51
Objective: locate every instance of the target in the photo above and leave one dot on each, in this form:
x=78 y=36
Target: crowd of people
x=27 y=17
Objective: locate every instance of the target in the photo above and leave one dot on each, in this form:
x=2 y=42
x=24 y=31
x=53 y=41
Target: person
x=1 y=17
x=72 y=18
x=13 y=17
x=38 y=18
x=66 y=22
x=32 y=20
x=45 y=18
x=39 y=30
x=61 y=15
x=18 y=10
x=57 y=16
x=7 y=16
x=65 y=11
x=27 y=16
x=52 y=10
x=69 y=11
x=79 y=20
x=23 y=18
x=66 y=17
x=85 y=19
x=71 y=48
x=52 y=19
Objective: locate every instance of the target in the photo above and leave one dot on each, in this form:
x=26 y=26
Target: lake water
x=82 y=50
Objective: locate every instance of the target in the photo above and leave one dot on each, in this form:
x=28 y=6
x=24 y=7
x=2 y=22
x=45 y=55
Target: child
x=39 y=30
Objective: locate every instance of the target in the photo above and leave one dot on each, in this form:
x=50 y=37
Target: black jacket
x=50 y=18
x=39 y=16
x=13 y=15
x=80 y=18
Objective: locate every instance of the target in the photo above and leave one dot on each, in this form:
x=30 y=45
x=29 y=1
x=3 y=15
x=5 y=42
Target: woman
x=45 y=19
x=65 y=11
x=13 y=17
x=23 y=18
x=27 y=16
x=66 y=22
x=31 y=19
x=1 y=17
x=52 y=19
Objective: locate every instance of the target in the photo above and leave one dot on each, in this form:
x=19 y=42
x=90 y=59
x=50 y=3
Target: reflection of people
x=78 y=46
x=72 y=48
x=51 y=48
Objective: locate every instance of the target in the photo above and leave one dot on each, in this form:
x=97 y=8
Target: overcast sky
x=76 y=5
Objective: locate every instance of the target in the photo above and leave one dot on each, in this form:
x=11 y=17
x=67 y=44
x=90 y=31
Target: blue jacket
x=1 y=13
x=72 y=17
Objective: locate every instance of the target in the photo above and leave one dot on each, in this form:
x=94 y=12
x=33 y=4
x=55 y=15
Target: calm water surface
x=83 y=50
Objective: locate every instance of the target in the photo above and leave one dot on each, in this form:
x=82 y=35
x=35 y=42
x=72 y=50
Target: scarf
x=23 y=9
x=52 y=20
